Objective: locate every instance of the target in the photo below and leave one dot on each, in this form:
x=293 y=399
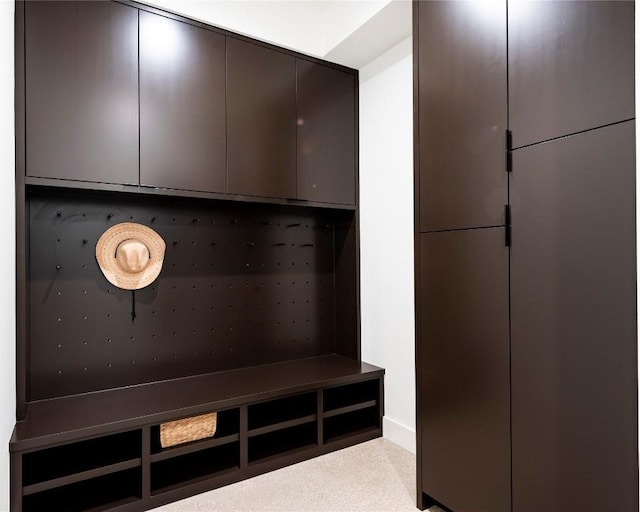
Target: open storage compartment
x=81 y=457
x=364 y=394
x=350 y=424
x=102 y=493
x=274 y=414
x=106 y=472
x=227 y=431
x=193 y=467
x=282 y=442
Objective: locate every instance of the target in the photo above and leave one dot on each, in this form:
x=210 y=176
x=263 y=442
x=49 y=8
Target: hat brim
x=106 y=255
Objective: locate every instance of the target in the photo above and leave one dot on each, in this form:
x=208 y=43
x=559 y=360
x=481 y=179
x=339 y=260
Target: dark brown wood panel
x=261 y=121
x=56 y=421
x=240 y=285
x=464 y=399
x=462 y=53
x=574 y=356
x=15 y=486
x=571 y=67
x=21 y=219
x=135 y=483
x=347 y=284
x=182 y=105
x=82 y=91
x=172 y=192
x=326 y=133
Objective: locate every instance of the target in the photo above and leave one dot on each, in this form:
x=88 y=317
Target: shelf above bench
x=56 y=421
x=157 y=191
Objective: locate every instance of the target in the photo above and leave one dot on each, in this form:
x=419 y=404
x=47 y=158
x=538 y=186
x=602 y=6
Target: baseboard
x=399 y=434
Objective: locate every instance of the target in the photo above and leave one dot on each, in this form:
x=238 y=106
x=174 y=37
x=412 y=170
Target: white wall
x=7 y=256
x=309 y=26
x=386 y=237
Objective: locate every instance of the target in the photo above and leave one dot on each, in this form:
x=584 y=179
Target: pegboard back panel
x=241 y=285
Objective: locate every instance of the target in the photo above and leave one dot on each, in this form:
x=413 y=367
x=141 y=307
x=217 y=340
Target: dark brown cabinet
x=462 y=114
x=119 y=95
x=81 y=89
x=261 y=121
x=464 y=346
x=103 y=451
x=125 y=112
x=182 y=105
x=526 y=341
x=326 y=133
x=574 y=324
x=571 y=67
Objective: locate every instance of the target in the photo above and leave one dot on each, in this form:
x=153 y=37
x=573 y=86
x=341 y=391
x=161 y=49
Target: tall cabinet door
x=326 y=133
x=571 y=67
x=462 y=59
x=261 y=121
x=574 y=362
x=182 y=105
x=82 y=91
x=464 y=365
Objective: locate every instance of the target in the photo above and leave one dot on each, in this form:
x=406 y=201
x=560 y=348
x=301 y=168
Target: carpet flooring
x=377 y=476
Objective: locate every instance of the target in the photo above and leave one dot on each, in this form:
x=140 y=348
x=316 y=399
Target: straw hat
x=130 y=255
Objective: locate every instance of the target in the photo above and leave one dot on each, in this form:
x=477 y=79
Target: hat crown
x=132 y=255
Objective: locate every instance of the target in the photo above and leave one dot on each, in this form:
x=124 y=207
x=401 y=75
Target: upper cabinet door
x=571 y=67
x=326 y=134
x=462 y=57
x=182 y=105
x=82 y=91
x=261 y=121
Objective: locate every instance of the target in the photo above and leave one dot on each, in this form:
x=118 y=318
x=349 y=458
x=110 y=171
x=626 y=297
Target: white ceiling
x=349 y=32
x=384 y=30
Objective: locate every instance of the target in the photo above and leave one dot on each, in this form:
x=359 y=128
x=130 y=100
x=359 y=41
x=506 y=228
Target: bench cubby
x=344 y=426
x=102 y=452
x=344 y=398
x=205 y=464
x=227 y=431
x=286 y=441
x=285 y=412
x=120 y=489
x=42 y=468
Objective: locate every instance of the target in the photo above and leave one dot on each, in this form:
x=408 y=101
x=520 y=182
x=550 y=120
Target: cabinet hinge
x=507 y=151
x=507 y=225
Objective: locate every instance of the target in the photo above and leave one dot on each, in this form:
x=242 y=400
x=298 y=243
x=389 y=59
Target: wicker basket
x=188 y=429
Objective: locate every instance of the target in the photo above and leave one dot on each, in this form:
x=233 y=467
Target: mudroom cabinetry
x=82 y=119
x=242 y=158
x=525 y=285
x=571 y=67
x=268 y=417
x=131 y=98
x=261 y=121
x=462 y=183
x=182 y=105
x=573 y=321
x=326 y=133
x=464 y=399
